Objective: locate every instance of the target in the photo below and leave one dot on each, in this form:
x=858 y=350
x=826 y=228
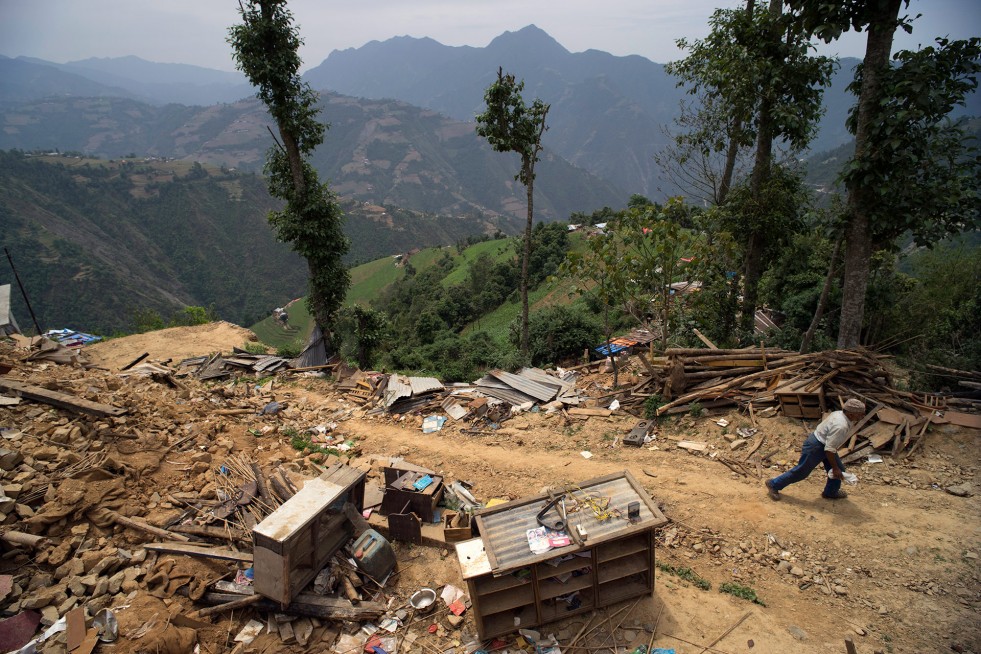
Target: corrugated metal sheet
x=504 y=532
x=527 y=386
x=540 y=376
x=422 y=385
x=499 y=390
x=397 y=388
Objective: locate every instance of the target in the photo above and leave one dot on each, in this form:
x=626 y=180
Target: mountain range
x=608 y=114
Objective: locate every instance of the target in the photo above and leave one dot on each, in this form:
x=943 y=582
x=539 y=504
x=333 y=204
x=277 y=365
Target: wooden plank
x=310 y=605
x=242 y=602
x=969 y=420
x=60 y=400
x=703 y=338
x=578 y=411
x=200 y=552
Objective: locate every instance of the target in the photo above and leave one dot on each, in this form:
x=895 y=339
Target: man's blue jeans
x=810 y=456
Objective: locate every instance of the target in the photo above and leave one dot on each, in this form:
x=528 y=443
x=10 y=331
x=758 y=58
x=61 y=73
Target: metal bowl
x=423 y=600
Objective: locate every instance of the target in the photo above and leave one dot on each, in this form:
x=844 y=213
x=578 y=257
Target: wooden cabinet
x=511 y=588
x=296 y=540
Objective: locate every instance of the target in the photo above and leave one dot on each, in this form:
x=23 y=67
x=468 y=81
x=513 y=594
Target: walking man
x=822 y=446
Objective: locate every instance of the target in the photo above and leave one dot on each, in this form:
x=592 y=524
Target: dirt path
x=880 y=550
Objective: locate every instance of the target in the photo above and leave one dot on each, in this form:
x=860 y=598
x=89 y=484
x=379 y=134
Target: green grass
x=740 y=591
x=497 y=322
x=498 y=250
x=687 y=574
x=368 y=280
x=270 y=331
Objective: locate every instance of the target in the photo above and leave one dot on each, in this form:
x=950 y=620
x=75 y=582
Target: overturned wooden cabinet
x=296 y=540
x=513 y=588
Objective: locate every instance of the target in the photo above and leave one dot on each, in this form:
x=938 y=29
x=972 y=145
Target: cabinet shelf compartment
x=558 y=610
x=553 y=588
x=498 y=624
x=625 y=547
x=625 y=567
x=612 y=592
x=507 y=599
x=486 y=585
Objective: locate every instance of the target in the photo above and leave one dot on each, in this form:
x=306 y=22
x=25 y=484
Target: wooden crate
x=798 y=400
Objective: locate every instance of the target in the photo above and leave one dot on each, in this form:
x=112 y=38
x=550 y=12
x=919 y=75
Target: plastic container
x=373 y=554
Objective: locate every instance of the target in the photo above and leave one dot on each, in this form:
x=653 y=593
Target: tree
x=511 y=126
x=912 y=169
x=265 y=47
x=368 y=328
x=759 y=83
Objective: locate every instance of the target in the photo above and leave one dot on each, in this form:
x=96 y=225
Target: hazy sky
x=193 y=31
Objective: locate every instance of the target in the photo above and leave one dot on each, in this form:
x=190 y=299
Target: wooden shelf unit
x=615 y=565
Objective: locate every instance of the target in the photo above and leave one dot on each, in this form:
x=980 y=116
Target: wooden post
x=850 y=646
x=228 y=606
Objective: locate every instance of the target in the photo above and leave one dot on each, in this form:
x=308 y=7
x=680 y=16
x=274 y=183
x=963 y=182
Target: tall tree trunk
x=529 y=166
x=858 y=228
x=727 y=172
x=753 y=265
x=805 y=343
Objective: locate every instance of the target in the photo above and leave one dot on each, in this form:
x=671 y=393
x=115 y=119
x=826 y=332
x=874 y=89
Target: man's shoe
x=771 y=491
x=840 y=495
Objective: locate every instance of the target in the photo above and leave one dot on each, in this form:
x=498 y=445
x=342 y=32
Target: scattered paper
x=586 y=454
x=450 y=594
x=614 y=405
x=538 y=540
x=432 y=424
x=249 y=632
x=722 y=422
x=874 y=458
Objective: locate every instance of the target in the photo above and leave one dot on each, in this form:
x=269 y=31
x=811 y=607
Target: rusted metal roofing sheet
x=504 y=527
x=527 y=386
x=423 y=385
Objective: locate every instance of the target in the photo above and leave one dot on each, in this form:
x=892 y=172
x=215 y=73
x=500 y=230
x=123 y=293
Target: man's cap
x=854 y=406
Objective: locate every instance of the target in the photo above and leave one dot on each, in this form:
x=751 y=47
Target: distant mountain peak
x=529 y=39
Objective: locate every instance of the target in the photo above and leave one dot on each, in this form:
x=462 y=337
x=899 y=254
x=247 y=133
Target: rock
x=13 y=491
x=698 y=547
x=797 y=571
x=454 y=620
x=203 y=457
x=797 y=632
x=76 y=587
x=200 y=468
x=40 y=580
x=961 y=490
x=116 y=582
x=101 y=587
x=49 y=615
x=736 y=444
x=859 y=631
x=784 y=566
x=105 y=565
x=841 y=590
x=971 y=555
x=36 y=601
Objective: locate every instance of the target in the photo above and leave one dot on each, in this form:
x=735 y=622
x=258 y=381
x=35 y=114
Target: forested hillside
x=381 y=152
x=96 y=241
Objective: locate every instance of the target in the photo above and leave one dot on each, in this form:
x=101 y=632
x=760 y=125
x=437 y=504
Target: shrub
x=557 y=333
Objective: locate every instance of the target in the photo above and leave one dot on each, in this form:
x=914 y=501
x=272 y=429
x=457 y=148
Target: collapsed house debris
x=308 y=547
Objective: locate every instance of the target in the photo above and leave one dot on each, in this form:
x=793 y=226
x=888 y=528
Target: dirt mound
x=175 y=343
